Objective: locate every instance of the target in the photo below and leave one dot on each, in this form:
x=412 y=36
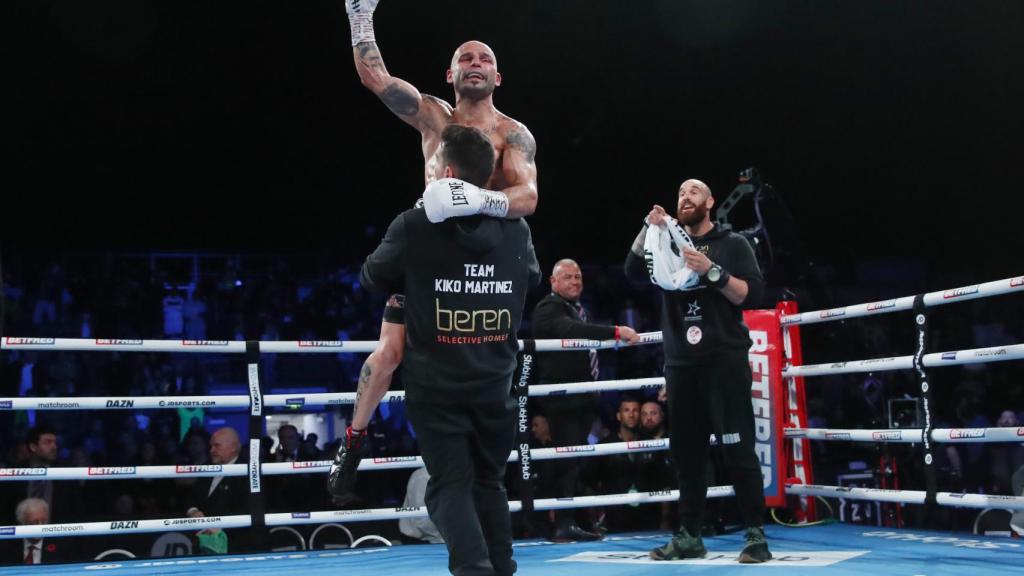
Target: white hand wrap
x=360 y=20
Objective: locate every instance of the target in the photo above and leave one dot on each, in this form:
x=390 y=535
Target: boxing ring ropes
x=255 y=402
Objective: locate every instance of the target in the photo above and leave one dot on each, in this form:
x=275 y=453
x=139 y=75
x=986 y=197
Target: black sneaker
x=341 y=480
x=681 y=547
x=756 y=550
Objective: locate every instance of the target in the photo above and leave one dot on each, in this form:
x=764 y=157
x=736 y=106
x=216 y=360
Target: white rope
x=123 y=527
x=854 y=311
x=297 y=400
x=123 y=403
x=841 y=435
x=306 y=467
x=910 y=435
x=587 y=450
x=615 y=499
x=933 y=360
x=583 y=344
x=908 y=496
x=327 y=516
x=122 y=472
x=974 y=356
x=905 y=436
x=124 y=345
x=873 y=365
x=979 y=500
x=331 y=516
x=602 y=386
x=969 y=435
x=994 y=288
x=277 y=347
x=337 y=398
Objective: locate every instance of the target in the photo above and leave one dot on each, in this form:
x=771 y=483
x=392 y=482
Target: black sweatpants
x=713 y=397
x=465 y=448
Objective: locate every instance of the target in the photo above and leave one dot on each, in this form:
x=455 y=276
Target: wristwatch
x=717 y=276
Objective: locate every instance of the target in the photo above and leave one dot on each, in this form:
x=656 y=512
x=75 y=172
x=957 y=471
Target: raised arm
x=421 y=112
x=520 y=170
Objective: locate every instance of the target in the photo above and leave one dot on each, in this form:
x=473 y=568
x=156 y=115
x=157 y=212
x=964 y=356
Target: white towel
x=666 y=268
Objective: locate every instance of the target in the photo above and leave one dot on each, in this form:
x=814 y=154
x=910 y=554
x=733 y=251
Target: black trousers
x=569 y=419
x=465 y=448
x=713 y=397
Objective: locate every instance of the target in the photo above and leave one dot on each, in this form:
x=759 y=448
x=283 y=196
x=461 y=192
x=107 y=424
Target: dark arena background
x=215 y=171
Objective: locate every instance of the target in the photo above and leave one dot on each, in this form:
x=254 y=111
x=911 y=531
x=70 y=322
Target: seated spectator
x=543 y=474
x=657 y=473
x=544 y=485
x=287 y=444
x=308 y=450
x=41 y=448
x=196 y=451
x=35 y=511
x=619 y=473
x=292 y=492
x=221 y=496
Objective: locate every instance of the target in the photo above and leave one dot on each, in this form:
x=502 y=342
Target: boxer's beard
x=478 y=92
x=696 y=216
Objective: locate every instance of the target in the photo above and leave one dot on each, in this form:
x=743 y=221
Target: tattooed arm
x=403 y=99
x=371 y=389
x=520 y=171
x=384 y=270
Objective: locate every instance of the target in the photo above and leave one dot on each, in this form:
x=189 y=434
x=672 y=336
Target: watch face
x=714 y=273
